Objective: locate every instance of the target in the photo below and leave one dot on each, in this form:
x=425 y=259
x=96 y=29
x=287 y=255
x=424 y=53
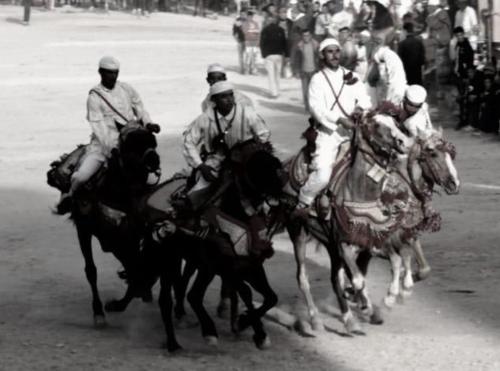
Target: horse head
x=137 y=150
x=436 y=158
x=382 y=134
x=258 y=170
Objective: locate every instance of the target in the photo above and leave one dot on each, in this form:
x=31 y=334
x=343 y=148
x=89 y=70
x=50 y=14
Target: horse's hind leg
x=299 y=246
x=85 y=241
x=195 y=298
x=393 y=291
x=180 y=288
x=406 y=254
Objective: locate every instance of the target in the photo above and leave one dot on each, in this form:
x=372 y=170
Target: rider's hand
x=154 y=128
x=207 y=172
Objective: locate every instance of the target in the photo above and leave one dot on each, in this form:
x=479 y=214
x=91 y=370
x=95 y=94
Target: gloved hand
x=154 y=128
x=207 y=172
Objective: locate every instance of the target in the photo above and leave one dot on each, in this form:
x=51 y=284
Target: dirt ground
x=46 y=70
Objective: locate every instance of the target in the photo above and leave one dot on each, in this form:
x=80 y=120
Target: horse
x=361 y=177
x=212 y=245
x=429 y=163
x=105 y=207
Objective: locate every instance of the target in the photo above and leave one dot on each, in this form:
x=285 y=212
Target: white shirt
x=321 y=97
x=340 y=20
x=467 y=19
x=392 y=74
x=242 y=124
x=125 y=99
x=419 y=124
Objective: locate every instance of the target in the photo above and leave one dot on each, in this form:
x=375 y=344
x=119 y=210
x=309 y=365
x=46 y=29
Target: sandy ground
x=46 y=70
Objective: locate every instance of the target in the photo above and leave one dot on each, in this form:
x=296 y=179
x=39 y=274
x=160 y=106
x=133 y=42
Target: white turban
x=215 y=67
x=328 y=42
x=365 y=33
x=416 y=94
x=220 y=87
x=109 y=63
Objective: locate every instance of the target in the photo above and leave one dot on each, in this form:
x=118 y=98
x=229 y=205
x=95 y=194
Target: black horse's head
x=259 y=171
x=137 y=150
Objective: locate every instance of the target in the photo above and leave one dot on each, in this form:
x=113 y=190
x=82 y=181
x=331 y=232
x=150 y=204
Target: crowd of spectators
x=438 y=43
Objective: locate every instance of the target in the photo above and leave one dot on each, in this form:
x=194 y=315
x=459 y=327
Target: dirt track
x=46 y=69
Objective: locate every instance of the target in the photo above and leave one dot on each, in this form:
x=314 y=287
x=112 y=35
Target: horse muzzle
x=451 y=186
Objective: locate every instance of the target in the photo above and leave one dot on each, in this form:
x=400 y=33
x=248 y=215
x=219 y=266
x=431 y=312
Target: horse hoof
x=211 y=340
x=405 y=293
x=262 y=343
x=172 y=347
x=317 y=324
x=353 y=327
x=100 y=321
x=422 y=274
x=376 y=317
x=389 y=301
x=114 y=306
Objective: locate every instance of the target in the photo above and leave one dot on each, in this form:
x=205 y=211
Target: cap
x=220 y=87
x=215 y=67
x=109 y=63
x=328 y=42
x=416 y=94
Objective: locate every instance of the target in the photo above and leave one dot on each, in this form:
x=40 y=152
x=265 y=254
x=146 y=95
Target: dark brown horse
x=211 y=249
x=108 y=209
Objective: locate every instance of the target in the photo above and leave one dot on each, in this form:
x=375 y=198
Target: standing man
x=27 y=12
x=273 y=47
x=239 y=36
x=208 y=138
x=251 y=30
x=216 y=73
x=466 y=18
x=412 y=53
x=308 y=57
x=111 y=105
x=334 y=95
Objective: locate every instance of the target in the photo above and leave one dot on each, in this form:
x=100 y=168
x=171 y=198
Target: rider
x=215 y=72
x=110 y=106
x=208 y=138
x=335 y=93
x=414 y=115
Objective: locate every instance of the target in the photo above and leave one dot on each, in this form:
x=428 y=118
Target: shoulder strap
x=108 y=104
x=337 y=96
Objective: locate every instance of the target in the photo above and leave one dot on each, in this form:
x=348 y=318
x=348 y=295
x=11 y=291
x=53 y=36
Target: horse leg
x=166 y=282
x=260 y=337
x=424 y=269
x=393 y=291
x=336 y=278
x=225 y=299
x=85 y=241
x=406 y=254
x=299 y=247
x=180 y=288
x=368 y=307
x=350 y=254
x=195 y=299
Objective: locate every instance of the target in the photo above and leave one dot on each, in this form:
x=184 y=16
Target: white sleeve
x=317 y=103
x=193 y=136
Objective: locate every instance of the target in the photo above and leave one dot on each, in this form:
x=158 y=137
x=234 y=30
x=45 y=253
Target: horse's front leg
x=393 y=292
x=406 y=252
x=85 y=241
x=299 y=240
x=166 y=282
x=350 y=253
x=424 y=269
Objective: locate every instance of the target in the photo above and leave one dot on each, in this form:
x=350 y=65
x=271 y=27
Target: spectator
x=239 y=36
x=270 y=13
x=27 y=12
x=286 y=24
x=308 y=60
x=362 y=39
x=321 y=24
x=412 y=53
x=348 y=56
x=488 y=105
x=273 y=48
x=341 y=18
x=440 y=32
x=469 y=100
x=466 y=18
x=251 y=30
x=461 y=53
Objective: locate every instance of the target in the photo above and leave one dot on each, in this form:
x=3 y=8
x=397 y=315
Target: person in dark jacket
x=461 y=53
x=307 y=57
x=412 y=53
x=273 y=47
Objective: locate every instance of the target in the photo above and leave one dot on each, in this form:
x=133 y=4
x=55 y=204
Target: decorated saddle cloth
x=299 y=166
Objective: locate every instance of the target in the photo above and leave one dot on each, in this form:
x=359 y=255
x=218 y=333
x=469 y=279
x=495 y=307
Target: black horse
x=106 y=207
x=255 y=175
